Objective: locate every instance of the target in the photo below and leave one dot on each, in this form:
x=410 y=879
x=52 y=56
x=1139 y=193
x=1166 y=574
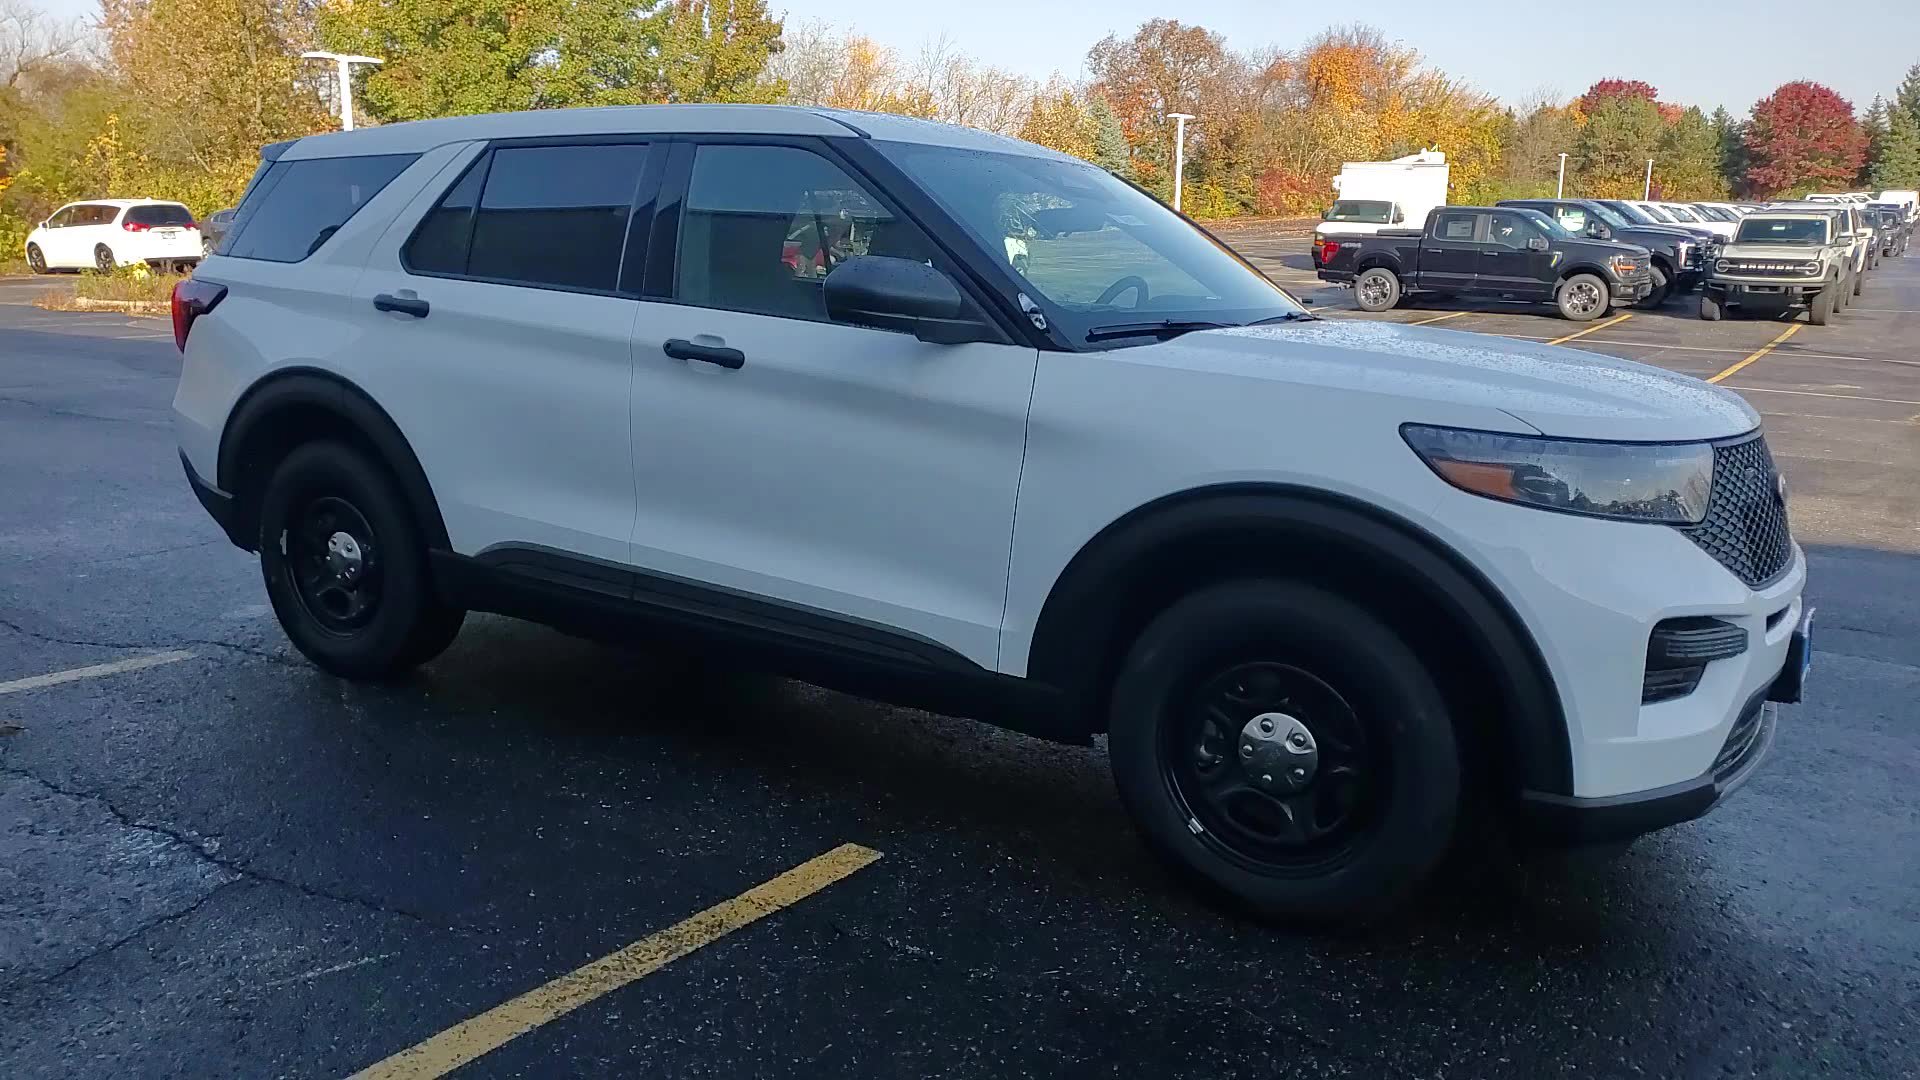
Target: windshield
x=1551 y=227
x=1681 y=213
x=1371 y=211
x=1713 y=213
x=1610 y=216
x=1637 y=215
x=1655 y=212
x=1759 y=230
x=1095 y=250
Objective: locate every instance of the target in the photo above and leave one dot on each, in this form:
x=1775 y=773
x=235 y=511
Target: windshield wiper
x=1165 y=328
x=1170 y=328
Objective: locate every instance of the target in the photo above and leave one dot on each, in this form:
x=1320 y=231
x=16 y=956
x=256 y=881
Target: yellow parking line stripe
x=1595 y=328
x=133 y=663
x=1442 y=318
x=1760 y=352
x=503 y=1023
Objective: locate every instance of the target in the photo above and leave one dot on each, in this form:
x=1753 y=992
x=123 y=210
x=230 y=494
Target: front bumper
x=1632 y=289
x=1765 y=290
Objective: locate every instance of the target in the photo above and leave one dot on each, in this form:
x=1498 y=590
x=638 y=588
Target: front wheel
x=1859 y=281
x=1377 y=289
x=1284 y=749
x=1662 y=288
x=1582 y=298
x=1710 y=309
x=346 y=567
x=1820 y=308
x=36 y=259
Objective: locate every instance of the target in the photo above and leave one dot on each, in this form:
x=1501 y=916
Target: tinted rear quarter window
x=556 y=215
x=297 y=205
x=162 y=214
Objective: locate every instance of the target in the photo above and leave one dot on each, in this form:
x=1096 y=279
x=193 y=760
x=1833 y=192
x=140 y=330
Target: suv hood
x=1556 y=391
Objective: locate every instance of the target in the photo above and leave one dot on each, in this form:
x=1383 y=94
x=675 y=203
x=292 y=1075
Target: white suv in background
x=105 y=233
x=768 y=381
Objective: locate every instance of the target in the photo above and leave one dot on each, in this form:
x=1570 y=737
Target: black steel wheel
x=1275 y=766
x=345 y=565
x=1284 y=749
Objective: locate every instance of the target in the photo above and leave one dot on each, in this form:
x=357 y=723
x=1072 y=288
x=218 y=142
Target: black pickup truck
x=1679 y=256
x=1499 y=252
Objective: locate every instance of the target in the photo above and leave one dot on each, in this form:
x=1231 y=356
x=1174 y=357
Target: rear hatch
x=166 y=229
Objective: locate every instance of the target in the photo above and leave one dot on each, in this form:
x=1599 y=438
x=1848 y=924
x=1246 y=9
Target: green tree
x=1733 y=150
x=1110 y=149
x=1610 y=153
x=1687 y=163
x=1059 y=122
x=1908 y=96
x=1896 y=159
x=1874 y=126
x=451 y=57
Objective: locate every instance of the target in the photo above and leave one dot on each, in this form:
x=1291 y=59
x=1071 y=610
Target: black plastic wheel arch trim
x=1070 y=636
x=301 y=388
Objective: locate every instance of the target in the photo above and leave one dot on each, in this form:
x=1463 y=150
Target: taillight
x=1328 y=249
x=135 y=226
x=192 y=299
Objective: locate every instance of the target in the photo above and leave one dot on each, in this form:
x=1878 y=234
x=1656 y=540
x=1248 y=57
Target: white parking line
x=132 y=663
x=1815 y=393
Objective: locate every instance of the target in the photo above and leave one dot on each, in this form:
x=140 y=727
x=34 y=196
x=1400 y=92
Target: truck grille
x=1746 y=525
x=1769 y=269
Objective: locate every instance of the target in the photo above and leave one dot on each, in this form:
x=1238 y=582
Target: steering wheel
x=1131 y=281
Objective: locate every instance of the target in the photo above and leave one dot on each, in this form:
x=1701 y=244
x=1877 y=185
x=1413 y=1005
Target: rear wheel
x=1377 y=289
x=1581 y=298
x=36 y=259
x=346 y=568
x=1284 y=749
x=103 y=259
x=1662 y=288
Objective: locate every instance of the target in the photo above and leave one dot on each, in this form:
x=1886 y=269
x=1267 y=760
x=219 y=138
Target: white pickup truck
x=1376 y=195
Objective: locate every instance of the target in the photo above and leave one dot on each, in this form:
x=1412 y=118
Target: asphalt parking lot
x=216 y=861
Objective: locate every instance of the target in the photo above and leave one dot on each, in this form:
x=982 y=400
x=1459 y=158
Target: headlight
x=1811 y=266
x=1623 y=264
x=1721 y=266
x=1664 y=482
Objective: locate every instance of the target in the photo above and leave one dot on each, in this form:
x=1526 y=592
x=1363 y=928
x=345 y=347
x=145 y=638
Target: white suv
x=766 y=379
x=105 y=233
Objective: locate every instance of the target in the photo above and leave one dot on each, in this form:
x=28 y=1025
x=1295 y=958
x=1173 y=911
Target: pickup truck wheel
x=1377 y=289
x=1820 y=308
x=1662 y=287
x=345 y=566
x=1286 y=751
x=1709 y=307
x=1859 y=282
x=1582 y=298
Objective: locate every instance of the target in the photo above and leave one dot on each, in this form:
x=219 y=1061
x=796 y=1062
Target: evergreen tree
x=1896 y=159
x=1689 y=159
x=1733 y=149
x=1110 y=149
x=1908 y=96
x=1874 y=127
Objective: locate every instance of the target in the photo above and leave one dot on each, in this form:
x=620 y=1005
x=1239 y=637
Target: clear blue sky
x=1696 y=54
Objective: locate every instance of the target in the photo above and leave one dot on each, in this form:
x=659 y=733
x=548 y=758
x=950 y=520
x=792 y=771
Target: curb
x=125 y=307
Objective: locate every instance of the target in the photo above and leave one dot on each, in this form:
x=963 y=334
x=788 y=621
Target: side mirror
x=1537 y=243
x=886 y=293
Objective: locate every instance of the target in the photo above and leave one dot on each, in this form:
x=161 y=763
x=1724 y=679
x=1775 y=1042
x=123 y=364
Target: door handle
x=1436 y=251
x=682 y=349
x=405 y=305
x=1489 y=253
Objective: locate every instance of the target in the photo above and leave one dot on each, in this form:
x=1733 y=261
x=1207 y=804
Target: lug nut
x=1299 y=774
x=1247 y=750
x=1266 y=727
x=1266 y=778
x=1298 y=740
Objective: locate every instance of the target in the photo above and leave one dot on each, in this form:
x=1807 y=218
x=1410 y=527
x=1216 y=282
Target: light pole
x=345 y=68
x=1646 y=191
x=1560 y=189
x=1179 y=151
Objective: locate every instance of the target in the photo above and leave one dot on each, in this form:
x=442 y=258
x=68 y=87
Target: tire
x=1859 y=282
x=36 y=259
x=1354 y=683
x=103 y=259
x=1662 y=290
x=1820 y=308
x=1849 y=288
x=385 y=618
x=206 y=245
x=1377 y=289
x=1581 y=298
x=1710 y=307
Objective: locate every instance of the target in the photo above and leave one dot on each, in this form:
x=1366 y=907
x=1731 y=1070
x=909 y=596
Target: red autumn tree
x=1803 y=136
x=1615 y=88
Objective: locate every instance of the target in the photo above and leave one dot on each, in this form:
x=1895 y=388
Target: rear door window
x=298 y=205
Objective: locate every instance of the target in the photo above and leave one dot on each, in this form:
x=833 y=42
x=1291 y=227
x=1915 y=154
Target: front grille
x=1769 y=269
x=1746 y=525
